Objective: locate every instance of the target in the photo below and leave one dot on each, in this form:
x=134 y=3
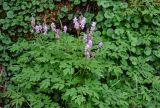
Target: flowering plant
x=78 y=25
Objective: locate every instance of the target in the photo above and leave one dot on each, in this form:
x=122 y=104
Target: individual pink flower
x=45 y=29
x=53 y=27
x=65 y=29
x=82 y=22
x=93 y=24
x=76 y=26
x=90 y=43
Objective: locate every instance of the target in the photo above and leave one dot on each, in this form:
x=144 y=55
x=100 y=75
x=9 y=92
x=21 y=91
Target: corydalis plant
x=78 y=25
x=89 y=43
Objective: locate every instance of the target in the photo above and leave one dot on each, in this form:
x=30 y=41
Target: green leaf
x=133 y=60
x=5 y=6
x=134 y=41
x=45 y=84
x=76 y=2
x=58 y=86
x=10 y=14
x=51 y=6
x=147 y=51
x=104 y=3
x=79 y=99
x=70 y=16
x=109 y=15
x=68 y=71
x=99 y=17
x=110 y=32
x=64 y=9
x=119 y=31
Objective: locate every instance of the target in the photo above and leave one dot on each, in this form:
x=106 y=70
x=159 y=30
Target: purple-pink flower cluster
x=79 y=24
x=76 y=23
x=56 y=31
x=44 y=28
x=93 y=27
x=88 y=46
x=39 y=28
x=89 y=43
x=53 y=27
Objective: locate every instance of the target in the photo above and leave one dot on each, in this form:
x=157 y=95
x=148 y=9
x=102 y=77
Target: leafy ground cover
x=80 y=54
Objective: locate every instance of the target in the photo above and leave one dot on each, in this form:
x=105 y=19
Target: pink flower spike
x=45 y=29
x=65 y=29
x=37 y=29
x=53 y=27
x=76 y=24
x=85 y=38
x=82 y=22
x=58 y=32
x=93 y=24
x=40 y=28
x=90 y=43
x=87 y=54
x=86 y=51
x=93 y=27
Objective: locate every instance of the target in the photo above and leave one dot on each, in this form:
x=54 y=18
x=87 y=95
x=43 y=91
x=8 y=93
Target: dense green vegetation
x=52 y=70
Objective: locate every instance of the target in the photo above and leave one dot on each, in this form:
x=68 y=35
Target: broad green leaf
x=10 y=14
